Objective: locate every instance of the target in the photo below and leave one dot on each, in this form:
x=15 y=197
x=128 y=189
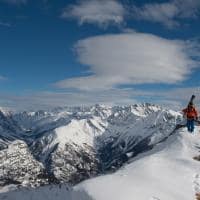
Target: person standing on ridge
x=191 y=113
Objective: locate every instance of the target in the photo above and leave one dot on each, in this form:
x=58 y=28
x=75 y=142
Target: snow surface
x=61 y=192
x=168 y=172
x=79 y=132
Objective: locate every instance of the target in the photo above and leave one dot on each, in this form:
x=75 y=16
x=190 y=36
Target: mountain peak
x=89 y=139
x=5 y=110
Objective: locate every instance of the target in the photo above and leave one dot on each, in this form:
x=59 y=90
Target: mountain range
x=72 y=144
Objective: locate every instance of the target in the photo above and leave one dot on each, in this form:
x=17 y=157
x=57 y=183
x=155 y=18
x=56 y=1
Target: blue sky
x=56 y=53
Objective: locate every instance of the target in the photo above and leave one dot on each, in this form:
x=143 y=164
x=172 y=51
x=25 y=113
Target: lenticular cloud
x=131 y=58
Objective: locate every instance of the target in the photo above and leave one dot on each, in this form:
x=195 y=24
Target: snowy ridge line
x=159 y=146
x=168 y=171
x=131 y=145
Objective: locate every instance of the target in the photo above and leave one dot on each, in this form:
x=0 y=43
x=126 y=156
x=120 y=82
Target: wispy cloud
x=172 y=98
x=182 y=94
x=46 y=100
x=131 y=58
x=6 y=24
x=102 y=12
x=168 y=13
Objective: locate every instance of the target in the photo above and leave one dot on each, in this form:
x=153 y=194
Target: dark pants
x=190 y=125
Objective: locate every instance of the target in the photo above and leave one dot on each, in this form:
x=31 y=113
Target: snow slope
x=58 y=192
x=168 y=172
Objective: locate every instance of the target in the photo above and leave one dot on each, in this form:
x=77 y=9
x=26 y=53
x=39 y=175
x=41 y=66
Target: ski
x=192 y=99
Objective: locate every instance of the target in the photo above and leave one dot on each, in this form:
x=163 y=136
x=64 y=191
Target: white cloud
x=168 y=13
x=130 y=58
x=46 y=100
x=102 y=12
x=177 y=98
x=162 y=13
x=14 y=1
x=182 y=94
x=174 y=98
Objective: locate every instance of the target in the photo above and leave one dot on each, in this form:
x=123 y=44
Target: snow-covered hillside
x=74 y=144
x=167 y=172
x=52 y=192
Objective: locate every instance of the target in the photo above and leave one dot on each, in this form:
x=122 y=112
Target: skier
x=192 y=115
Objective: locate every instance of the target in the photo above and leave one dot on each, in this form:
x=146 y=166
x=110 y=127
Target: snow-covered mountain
x=52 y=192
x=74 y=144
x=166 y=172
x=9 y=129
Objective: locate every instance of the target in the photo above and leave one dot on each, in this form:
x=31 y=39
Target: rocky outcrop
x=19 y=166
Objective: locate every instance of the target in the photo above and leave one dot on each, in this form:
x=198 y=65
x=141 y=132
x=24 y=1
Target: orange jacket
x=190 y=112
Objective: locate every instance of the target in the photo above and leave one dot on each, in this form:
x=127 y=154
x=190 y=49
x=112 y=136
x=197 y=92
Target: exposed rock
x=18 y=166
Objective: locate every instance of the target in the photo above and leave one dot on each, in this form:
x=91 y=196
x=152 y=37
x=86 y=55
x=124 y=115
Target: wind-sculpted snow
x=74 y=144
